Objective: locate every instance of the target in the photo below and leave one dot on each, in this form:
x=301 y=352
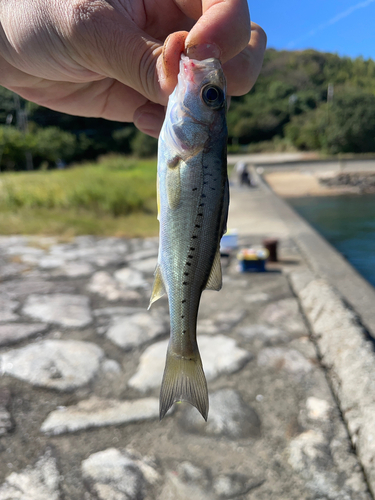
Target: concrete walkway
x=81 y=362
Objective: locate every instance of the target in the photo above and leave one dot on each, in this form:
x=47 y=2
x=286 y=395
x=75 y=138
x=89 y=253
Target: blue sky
x=346 y=27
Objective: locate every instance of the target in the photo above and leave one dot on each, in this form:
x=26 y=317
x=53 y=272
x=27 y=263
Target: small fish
x=193 y=200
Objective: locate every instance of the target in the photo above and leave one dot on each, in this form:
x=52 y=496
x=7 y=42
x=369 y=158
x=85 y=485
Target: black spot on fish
x=184 y=282
x=183 y=301
x=197 y=225
x=194 y=237
x=190 y=256
x=186 y=274
x=201 y=215
x=183 y=331
x=182 y=317
x=188 y=264
x=205 y=182
x=192 y=248
x=213 y=189
x=201 y=204
x=194 y=189
x=203 y=195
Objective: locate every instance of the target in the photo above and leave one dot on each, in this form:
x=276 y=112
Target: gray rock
x=280 y=358
x=233 y=485
x=311 y=457
x=117 y=311
x=76 y=269
x=132 y=331
x=22 y=288
x=55 y=364
x=15 y=332
x=318 y=409
x=221 y=322
x=147 y=266
x=229 y=416
x=175 y=488
x=50 y=262
x=38 y=482
x=7 y=308
x=263 y=334
x=96 y=412
x=6 y=421
x=285 y=314
x=63 y=309
x=252 y=298
x=130 y=278
x=113 y=474
x=220 y=355
x=103 y=284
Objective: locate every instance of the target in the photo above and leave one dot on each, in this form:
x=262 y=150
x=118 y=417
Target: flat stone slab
x=96 y=412
x=15 y=332
x=55 y=364
x=6 y=421
x=63 y=309
x=280 y=358
x=263 y=334
x=115 y=474
x=7 y=308
x=105 y=285
x=37 y=482
x=229 y=416
x=220 y=355
x=132 y=331
x=147 y=266
x=285 y=314
x=221 y=322
x=130 y=278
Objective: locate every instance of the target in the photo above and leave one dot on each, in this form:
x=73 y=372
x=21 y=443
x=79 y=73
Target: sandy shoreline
x=295 y=184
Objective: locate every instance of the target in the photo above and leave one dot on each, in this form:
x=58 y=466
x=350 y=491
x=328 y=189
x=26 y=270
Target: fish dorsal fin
x=174 y=182
x=159 y=288
x=215 y=280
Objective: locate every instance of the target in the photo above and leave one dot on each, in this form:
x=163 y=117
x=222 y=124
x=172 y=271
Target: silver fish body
x=193 y=199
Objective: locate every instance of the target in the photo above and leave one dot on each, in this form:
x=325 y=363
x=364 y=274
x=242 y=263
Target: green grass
x=115 y=196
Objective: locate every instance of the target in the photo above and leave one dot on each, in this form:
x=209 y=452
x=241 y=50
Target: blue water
x=348 y=223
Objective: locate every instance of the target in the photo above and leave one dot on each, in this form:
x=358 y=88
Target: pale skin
x=118 y=59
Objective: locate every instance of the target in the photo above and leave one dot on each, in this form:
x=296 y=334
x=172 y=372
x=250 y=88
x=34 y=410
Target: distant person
x=119 y=59
x=243 y=174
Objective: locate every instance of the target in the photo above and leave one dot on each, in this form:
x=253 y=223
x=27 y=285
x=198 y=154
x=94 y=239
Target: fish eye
x=213 y=96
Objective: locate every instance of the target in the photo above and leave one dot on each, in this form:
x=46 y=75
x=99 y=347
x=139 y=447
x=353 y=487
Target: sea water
x=348 y=223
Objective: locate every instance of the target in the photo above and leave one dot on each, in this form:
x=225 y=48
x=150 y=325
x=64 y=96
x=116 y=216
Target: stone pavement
x=81 y=360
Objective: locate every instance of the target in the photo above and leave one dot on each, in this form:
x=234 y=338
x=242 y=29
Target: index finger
x=222 y=29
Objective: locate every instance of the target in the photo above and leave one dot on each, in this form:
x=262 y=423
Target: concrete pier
x=288 y=356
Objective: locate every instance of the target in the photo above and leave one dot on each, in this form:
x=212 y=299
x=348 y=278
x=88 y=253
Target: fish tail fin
x=184 y=380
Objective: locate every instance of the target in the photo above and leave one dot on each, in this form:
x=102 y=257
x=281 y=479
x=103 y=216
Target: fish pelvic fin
x=184 y=380
x=159 y=288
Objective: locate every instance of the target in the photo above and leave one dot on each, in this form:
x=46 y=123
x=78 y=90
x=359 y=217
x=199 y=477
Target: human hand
x=118 y=59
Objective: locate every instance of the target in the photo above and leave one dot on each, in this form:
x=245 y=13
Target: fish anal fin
x=215 y=280
x=184 y=380
x=159 y=288
x=173 y=182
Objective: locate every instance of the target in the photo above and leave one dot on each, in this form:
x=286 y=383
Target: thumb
x=111 y=44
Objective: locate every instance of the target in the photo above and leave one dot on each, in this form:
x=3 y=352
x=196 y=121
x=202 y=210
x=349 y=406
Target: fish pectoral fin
x=215 y=280
x=159 y=288
x=184 y=380
x=173 y=181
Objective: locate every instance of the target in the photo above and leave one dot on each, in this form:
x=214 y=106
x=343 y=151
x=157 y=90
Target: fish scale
x=193 y=200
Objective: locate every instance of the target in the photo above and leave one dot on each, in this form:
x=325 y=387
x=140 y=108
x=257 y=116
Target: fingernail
x=148 y=123
x=203 y=51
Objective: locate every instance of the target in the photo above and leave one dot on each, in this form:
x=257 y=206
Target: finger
x=222 y=29
x=149 y=118
x=243 y=70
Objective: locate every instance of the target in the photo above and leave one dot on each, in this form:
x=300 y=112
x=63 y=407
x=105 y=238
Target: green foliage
x=344 y=126
x=144 y=146
x=112 y=187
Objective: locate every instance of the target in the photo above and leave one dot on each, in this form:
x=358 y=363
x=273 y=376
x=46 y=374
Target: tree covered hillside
x=290 y=97
x=289 y=107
